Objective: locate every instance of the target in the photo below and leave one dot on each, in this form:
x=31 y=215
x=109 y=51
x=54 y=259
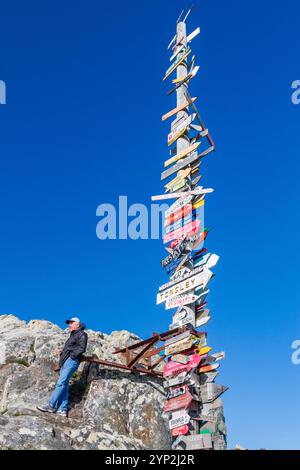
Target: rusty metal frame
x=133 y=354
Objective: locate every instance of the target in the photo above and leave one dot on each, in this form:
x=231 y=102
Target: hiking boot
x=46 y=409
x=62 y=413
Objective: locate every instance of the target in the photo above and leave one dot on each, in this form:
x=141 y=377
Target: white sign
x=180 y=420
x=178 y=204
x=185 y=286
x=181 y=300
x=194 y=192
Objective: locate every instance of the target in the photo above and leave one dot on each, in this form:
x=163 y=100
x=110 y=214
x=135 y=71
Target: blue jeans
x=59 y=398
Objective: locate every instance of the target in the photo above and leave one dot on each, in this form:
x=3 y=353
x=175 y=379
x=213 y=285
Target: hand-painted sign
x=184 y=286
x=181 y=358
x=194 y=192
x=209 y=368
x=177 y=62
x=182 y=154
x=186 y=79
x=198 y=441
x=181 y=300
x=180 y=231
x=181 y=431
x=176 y=392
x=177 y=110
x=210 y=391
x=173 y=368
x=184 y=200
x=208 y=377
x=175 y=339
x=180 y=165
x=179 y=379
x=180 y=420
x=187 y=316
x=179 y=346
x=180 y=128
x=179 y=402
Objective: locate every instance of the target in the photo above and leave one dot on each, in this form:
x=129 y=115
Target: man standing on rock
x=69 y=362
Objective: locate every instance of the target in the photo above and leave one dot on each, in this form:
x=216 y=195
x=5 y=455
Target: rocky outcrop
x=110 y=408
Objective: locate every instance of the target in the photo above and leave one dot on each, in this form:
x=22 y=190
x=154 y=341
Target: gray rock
x=110 y=409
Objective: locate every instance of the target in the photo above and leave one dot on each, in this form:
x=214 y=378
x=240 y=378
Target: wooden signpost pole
x=184 y=141
x=196 y=413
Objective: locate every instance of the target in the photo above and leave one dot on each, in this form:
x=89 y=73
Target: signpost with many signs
x=189 y=372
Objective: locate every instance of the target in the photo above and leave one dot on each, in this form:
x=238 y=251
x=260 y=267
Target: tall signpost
x=193 y=401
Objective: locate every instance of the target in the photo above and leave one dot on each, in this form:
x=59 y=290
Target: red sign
x=185 y=210
x=181 y=431
x=174 y=368
x=177 y=403
x=182 y=230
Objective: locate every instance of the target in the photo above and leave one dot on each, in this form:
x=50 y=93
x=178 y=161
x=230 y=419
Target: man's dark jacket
x=75 y=346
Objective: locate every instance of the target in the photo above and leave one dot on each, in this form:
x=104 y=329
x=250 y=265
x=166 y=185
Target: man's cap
x=73 y=319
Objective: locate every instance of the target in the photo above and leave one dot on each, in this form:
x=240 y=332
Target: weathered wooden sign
x=175 y=339
x=180 y=128
x=193 y=192
x=182 y=154
x=198 y=441
x=179 y=346
x=174 y=368
x=177 y=110
x=193 y=157
x=181 y=300
x=180 y=420
x=209 y=368
x=180 y=402
x=210 y=391
x=177 y=380
x=182 y=287
x=179 y=204
x=189 y=318
x=177 y=62
x=181 y=431
x=188 y=39
x=180 y=231
x=186 y=79
x=180 y=214
x=208 y=377
x=176 y=392
x=181 y=358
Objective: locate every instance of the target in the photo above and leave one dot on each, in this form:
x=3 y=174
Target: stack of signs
x=192 y=397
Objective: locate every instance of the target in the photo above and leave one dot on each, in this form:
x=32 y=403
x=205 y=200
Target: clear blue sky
x=82 y=126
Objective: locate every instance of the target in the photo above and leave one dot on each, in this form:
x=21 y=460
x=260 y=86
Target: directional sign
x=179 y=379
x=181 y=300
x=193 y=192
x=177 y=62
x=181 y=358
x=179 y=204
x=182 y=154
x=184 y=286
x=174 y=339
x=180 y=231
x=189 y=317
x=182 y=212
x=177 y=110
x=180 y=420
x=180 y=431
x=201 y=321
x=180 y=165
x=180 y=128
x=177 y=403
x=190 y=75
x=208 y=377
x=211 y=391
x=191 y=36
x=209 y=368
x=177 y=392
x=173 y=368
x=182 y=174
x=179 y=346
x=197 y=442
